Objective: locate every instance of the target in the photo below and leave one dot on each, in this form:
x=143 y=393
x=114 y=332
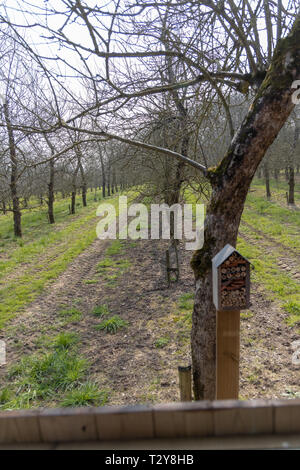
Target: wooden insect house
x=231 y=280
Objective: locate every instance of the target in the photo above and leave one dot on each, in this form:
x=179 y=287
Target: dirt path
x=129 y=364
x=287 y=258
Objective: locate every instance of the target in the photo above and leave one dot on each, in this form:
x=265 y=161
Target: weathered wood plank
x=251 y=417
x=62 y=425
x=167 y=421
x=124 y=422
x=183 y=420
x=19 y=426
x=286 y=416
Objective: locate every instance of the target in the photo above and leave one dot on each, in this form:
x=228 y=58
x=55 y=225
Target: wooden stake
x=185 y=383
x=228 y=354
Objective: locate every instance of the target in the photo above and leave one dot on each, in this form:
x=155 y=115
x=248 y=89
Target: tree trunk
x=108 y=181
x=114 y=181
x=103 y=172
x=73 y=194
x=83 y=177
x=14 y=175
x=3 y=207
x=51 y=193
x=84 y=191
x=73 y=202
x=291 y=194
x=286 y=172
x=230 y=183
x=267 y=180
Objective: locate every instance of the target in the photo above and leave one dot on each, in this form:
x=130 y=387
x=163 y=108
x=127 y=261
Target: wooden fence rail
x=176 y=420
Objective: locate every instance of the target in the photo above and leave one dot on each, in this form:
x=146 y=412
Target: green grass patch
x=186 y=301
x=41 y=378
x=279 y=285
x=100 y=310
x=71 y=315
x=47 y=251
x=65 y=340
x=5 y=396
x=87 y=394
x=246 y=315
x=111 y=269
x=116 y=248
x=108 y=263
x=281 y=224
x=162 y=342
x=112 y=325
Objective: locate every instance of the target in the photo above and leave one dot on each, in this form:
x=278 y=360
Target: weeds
x=42 y=377
x=101 y=310
x=70 y=315
x=65 y=340
x=186 y=301
x=161 y=342
x=87 y=394
x=112 y=325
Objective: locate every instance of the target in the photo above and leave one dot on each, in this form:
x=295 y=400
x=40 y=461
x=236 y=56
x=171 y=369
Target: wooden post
x=185 y=383
x=228 y=354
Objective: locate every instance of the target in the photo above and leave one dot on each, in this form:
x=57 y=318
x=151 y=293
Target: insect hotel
x=231 y=293
x=231 y=280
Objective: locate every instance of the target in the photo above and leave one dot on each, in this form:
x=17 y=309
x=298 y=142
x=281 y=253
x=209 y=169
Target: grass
x=91 y=281
x=41 y=378
x=70 y=315
x=111 y=269
x=44 y=252
x=4 y=396
x=186 y=301
x=271 y=224
x=162 y=342
x=116 y=248
x=65 y=341
x=54 y=375
x=87 y=394
x=113 y=266
x=108 y=264
x=177 y=325
x=100 y=310
x=277 y=222
x=112 y=325
x=279 y=284
x=245 y=315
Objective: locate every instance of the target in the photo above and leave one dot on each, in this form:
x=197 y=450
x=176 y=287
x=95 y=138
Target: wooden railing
x=176 y=420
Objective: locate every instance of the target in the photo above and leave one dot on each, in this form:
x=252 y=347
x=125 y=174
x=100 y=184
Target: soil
x=129 y=364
